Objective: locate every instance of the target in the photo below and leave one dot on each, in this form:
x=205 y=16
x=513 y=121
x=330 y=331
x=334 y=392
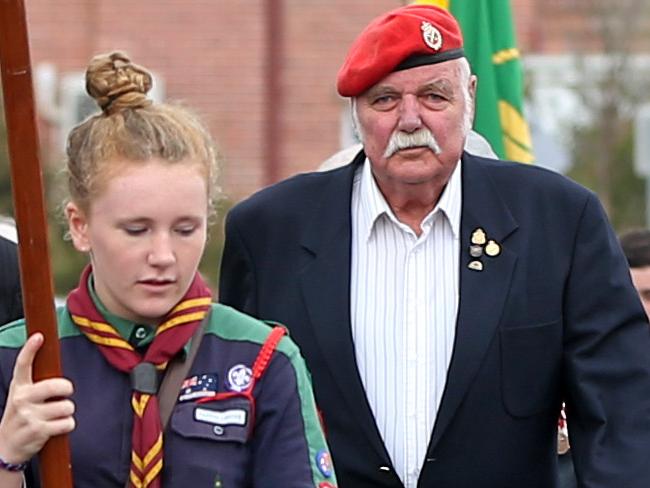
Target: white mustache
x=405 y=140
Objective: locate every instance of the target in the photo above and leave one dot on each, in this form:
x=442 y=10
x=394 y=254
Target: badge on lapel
x=481 y=245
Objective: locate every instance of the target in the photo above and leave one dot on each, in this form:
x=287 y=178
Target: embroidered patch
x=324 y=463
x=199 y=386
x=239 y=378
x=235 y=416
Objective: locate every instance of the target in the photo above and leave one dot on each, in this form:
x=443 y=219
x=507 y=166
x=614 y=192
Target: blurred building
x=245 y=65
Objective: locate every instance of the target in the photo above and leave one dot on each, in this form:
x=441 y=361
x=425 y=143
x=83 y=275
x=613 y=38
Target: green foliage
x=629 y=196
x=610 y=91
x=211 y=262
x=611 y=173
x=67 y=263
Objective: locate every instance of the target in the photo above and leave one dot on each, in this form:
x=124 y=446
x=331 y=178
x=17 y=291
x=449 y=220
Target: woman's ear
x=78 y=227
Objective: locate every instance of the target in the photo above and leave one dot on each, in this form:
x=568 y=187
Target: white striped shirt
x=404 y=302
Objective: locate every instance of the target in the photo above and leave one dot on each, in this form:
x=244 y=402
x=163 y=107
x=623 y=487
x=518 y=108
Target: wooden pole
x=27 y=185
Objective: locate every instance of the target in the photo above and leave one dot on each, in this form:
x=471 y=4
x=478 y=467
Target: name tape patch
x=225 y=417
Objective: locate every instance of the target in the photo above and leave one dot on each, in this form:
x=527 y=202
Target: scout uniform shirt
x=277 y=442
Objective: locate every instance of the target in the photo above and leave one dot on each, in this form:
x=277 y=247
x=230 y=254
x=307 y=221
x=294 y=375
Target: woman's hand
x=34 y=412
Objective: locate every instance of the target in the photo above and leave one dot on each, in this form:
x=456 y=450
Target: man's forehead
x=442 y=75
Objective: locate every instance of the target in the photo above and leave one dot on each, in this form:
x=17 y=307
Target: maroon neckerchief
x=172 y=334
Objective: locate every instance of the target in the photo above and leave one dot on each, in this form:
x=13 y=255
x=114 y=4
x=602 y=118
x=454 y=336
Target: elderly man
x=447 y=304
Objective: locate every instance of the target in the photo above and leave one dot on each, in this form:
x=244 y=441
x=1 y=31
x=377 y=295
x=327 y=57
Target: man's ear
x=473 y=81
x=78 y=226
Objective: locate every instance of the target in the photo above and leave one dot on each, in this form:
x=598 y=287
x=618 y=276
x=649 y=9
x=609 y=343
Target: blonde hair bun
x=132 y=129
x=116 y=83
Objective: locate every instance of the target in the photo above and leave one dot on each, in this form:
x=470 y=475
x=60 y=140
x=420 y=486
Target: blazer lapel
x=326 y=289
x=482 y=293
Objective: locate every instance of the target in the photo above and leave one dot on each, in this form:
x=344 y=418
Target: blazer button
x=431 y=460
x=384 y=469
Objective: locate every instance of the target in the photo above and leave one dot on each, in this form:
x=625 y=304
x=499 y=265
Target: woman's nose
x=162 y=251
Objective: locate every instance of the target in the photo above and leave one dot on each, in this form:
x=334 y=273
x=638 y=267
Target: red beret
x=403 y=38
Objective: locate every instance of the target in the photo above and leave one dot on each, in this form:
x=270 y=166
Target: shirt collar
x=123 y=326
x=138 y=335
x=374 y=205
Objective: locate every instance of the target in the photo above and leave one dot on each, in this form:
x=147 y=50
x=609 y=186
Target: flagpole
x=27 y=188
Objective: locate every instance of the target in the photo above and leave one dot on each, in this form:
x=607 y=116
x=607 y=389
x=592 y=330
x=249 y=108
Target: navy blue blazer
x=553 y=317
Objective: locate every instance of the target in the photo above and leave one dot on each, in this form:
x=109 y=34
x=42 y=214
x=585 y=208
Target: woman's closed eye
x=186 y=230
x=135 y=230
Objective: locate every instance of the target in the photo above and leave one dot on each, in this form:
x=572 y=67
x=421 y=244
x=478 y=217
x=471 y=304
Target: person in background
x=446 y=303
x=142 y=182
x=636 y=246
x=11 y=306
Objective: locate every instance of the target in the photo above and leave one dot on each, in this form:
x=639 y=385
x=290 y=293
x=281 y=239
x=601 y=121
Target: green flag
x=490 y=46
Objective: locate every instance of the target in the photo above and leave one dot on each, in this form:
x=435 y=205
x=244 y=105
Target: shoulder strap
x=264 y=357
x=176 y=372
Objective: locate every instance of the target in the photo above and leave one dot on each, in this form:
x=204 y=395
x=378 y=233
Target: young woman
x=141 y=178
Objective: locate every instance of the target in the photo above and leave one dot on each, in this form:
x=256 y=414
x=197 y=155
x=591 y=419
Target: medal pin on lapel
x=480 y=245
x=478 y=237
x=492 y=249
x=475 y=251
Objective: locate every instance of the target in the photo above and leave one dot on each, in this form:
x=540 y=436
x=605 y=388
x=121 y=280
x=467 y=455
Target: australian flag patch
x=199 y=386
